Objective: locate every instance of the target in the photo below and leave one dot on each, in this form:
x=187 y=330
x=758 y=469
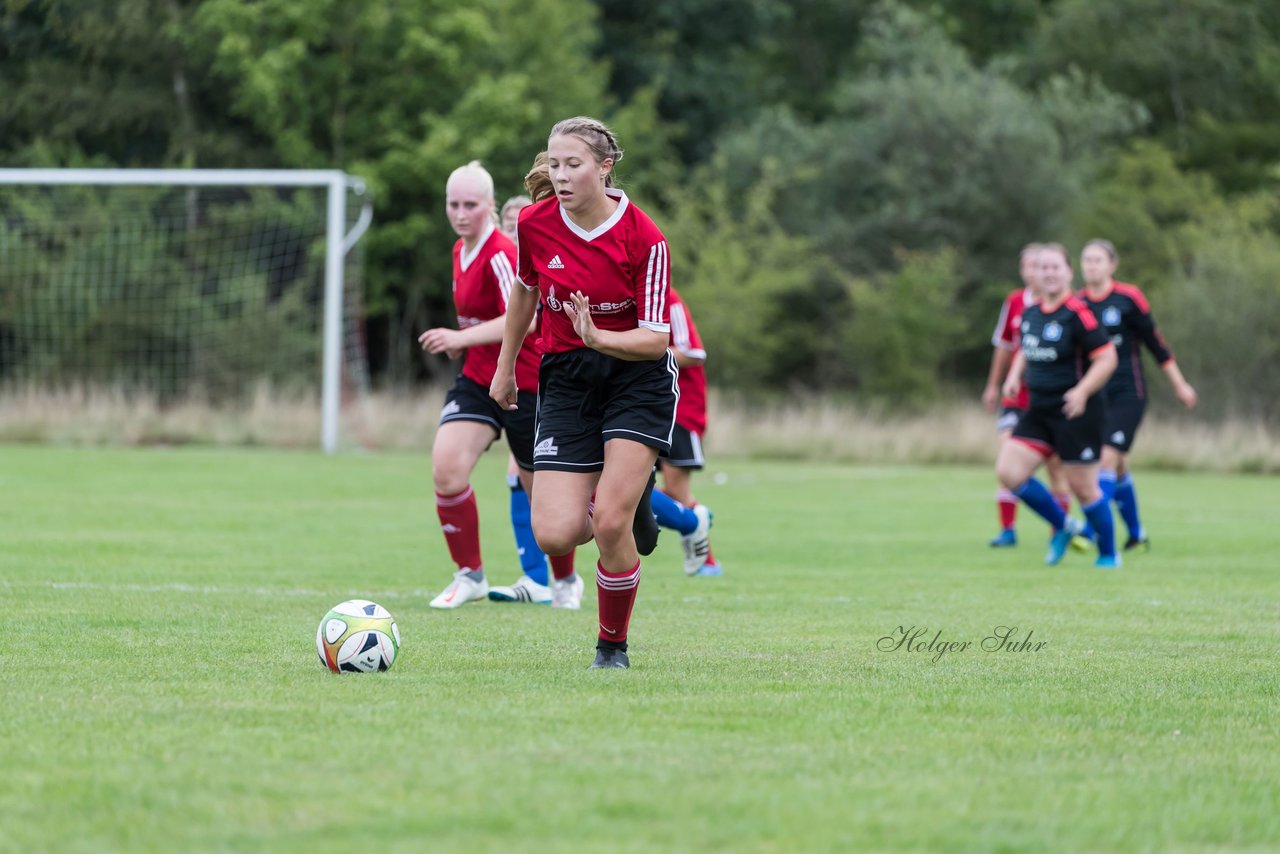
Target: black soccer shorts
x=1123 y=418
x=470 y=401
x=686 y=449
x=1075 y=440
x=586 y=398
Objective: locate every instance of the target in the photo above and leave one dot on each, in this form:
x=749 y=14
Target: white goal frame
x=337 y=244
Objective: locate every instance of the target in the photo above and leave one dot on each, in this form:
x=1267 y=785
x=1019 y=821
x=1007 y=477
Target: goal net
x=174 y=286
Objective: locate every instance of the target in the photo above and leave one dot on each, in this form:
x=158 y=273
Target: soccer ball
x=358 y=636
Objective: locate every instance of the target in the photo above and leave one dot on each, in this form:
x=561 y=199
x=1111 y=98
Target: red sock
x=1007 y=502
x=616 y=594
x=1064 y=501
x=561 y=565
x=460 y=522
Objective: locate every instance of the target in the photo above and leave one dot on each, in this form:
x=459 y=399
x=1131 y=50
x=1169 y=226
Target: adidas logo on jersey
x=546 y=448
x=555 y=264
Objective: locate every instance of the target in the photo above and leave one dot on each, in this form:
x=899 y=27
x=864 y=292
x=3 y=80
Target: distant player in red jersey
x=1004 y=341
x=608 y=384
x=1066 y=358
x=534 y=584
x=483 y=279
x=674 y=505
x=1124 y=313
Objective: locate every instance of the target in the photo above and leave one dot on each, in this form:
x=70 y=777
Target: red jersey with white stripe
x=691 y=411
x=622 y=267
x=482 y=282
x=1008 y=336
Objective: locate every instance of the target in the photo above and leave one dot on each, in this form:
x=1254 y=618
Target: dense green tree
x=402 y=93
x=1207 y=70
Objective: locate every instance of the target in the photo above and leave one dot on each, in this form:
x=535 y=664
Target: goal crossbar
x=337 y=244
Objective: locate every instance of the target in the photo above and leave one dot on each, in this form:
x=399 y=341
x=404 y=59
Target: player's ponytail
x=538 y=182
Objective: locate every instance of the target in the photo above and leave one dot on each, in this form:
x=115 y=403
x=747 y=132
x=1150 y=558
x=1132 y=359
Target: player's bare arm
x=634 y=345
x=1076 y=398
x=1013 y=382
x=521 y=308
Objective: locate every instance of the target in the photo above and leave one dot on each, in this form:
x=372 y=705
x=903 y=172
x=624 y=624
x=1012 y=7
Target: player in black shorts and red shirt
x=1066 y=358
x=483 y=280
x=607 y=386
x=1124 y=313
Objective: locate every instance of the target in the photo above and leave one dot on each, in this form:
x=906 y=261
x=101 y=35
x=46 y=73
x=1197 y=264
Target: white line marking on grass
x=210 y=589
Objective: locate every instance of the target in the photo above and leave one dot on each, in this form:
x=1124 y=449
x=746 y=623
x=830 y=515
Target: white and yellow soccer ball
x=358 y=636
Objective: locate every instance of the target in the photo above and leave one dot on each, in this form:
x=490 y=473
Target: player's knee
x=611 y=526
x=555 y=536
x=1009 y=473
x=449 y=477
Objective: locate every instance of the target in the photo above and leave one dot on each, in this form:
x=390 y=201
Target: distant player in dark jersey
x=1124 y=313
x=483 y=279
x=674 y=504
x=1004 y=342
x=1065 y=358
x=608 y=384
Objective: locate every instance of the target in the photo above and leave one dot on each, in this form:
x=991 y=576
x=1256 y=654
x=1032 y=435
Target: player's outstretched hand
x=441 y=340
x=578 y=307
x=1187 y=395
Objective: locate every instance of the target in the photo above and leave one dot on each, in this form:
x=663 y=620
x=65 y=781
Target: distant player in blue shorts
x=1124 y=313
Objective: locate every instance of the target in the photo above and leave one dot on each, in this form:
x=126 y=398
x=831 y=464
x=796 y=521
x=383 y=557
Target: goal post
x=338 y=240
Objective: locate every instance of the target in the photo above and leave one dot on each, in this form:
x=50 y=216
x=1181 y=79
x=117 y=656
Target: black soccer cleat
x=606 y=658
x=1137 y=544
x=644 y=527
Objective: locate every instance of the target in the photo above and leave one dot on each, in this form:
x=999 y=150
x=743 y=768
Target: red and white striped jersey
x=622 y=267
x=1008 y=336
x=482 y=282
x=691 y=411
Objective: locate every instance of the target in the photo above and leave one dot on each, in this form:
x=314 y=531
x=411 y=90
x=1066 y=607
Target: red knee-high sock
x=616 y=593
x=561 y=565
x=460 y=522
x=1007 y=503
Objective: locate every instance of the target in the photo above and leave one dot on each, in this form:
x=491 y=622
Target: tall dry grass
x=818 y=429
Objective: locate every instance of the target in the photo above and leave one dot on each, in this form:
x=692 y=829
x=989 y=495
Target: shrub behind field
x=811 y=428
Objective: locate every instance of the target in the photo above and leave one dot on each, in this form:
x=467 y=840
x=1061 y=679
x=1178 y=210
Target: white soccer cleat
x=567 y=594
x=461 y=591
x=524 y=590
x=698 y=544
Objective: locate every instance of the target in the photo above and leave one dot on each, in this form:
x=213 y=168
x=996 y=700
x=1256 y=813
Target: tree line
x=845 y=183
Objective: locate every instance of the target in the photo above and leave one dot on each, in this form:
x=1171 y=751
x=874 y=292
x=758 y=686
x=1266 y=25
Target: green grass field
x=162 y=692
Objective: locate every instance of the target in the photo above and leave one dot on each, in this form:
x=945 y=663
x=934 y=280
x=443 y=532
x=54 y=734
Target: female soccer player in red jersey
x=1060 y=337
x=483 y=280
x=1124 y=313
x=674 y=505
x=607 y=384
x=1004 y=342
